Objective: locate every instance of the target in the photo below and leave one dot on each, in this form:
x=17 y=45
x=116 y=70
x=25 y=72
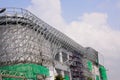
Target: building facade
x=31 y=49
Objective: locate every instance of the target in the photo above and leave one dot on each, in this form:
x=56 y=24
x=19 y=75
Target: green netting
x=11 y=79
x=97 y=77
x=12 y=73
x=30 y=70
x=103 y=73
x=66 y=77
x=89 y=64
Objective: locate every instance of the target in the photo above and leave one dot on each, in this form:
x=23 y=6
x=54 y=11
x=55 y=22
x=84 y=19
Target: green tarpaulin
x=30 y=70
x=97 y=77
x=66 y=77
x=89 y=64
x=103 y=73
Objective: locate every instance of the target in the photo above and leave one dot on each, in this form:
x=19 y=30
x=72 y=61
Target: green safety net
x=97 y=77
x=66 y=77
x=89 y=64
x=103 y=73
x=11 y=79
x=30 y=70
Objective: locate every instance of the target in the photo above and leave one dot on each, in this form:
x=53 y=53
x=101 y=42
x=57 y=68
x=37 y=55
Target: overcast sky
x=93 y=23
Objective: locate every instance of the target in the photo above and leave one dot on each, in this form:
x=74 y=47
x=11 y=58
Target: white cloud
x=91 y=30
x=49 y=11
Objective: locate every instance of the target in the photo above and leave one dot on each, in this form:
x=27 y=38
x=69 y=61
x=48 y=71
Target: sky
x=93 y=23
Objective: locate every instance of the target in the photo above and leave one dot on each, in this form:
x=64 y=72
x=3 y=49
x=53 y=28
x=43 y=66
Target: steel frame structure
x=28 y=32
x=24 y=38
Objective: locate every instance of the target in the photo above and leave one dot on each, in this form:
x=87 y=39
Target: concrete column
x=70 y=75
x=61 y=59
x=0 y=77
x=52 y=73
x=62 y=72
x=67 y=56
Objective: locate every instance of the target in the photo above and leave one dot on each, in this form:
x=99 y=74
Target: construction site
x=31 y=49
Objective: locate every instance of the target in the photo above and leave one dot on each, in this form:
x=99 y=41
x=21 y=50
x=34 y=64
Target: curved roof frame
x=49 y=32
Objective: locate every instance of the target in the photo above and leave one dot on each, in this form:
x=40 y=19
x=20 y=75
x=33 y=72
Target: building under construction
x=31 y=49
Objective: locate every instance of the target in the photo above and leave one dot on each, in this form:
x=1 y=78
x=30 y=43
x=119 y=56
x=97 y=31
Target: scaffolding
x=76 y=66
x=89 y=60
x=25 y=37
x=29 y=42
